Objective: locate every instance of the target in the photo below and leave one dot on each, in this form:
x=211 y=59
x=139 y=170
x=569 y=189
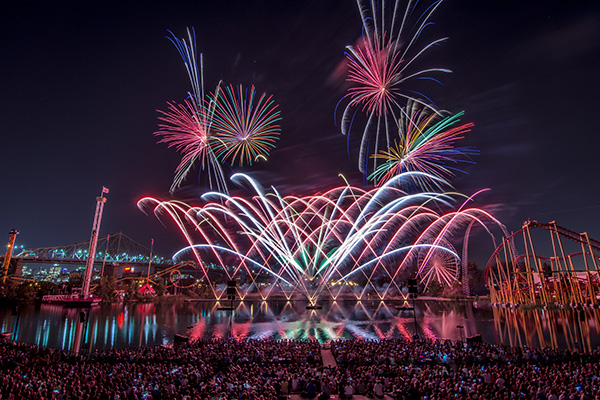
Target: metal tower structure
x=94 y=241
x=561 y=268
x=9 y=249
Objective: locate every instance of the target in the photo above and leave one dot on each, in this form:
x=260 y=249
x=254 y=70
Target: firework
x=380 y=68
x=187 y=126
x=424 y=144
x=245 y=125
x=344 y=242
x=189 y=55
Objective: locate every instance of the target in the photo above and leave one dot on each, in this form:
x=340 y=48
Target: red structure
x=545 y=264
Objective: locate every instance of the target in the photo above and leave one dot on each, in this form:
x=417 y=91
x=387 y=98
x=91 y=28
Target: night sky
x=81 y=83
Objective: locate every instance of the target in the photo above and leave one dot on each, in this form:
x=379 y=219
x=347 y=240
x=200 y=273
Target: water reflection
x=130 y=325
x=569 y=328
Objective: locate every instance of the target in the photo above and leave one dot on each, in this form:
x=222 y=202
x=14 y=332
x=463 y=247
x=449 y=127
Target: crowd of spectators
x=268 y=369
x=207 y=369
x=425 y=369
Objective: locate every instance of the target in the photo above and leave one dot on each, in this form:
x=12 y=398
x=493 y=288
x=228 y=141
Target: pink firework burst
x=245 y=125
x=384 y=72
x=186 y=127
x=376 y=70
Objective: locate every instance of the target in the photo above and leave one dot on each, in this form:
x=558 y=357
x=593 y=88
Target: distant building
x=27 y=272
x=130 y=272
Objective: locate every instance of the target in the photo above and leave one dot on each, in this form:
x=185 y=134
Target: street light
x=462 y=332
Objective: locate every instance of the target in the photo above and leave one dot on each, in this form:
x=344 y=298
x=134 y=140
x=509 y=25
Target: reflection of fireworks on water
x=380 y=68
x=293 y=322
x=346 y=241
x=365 y=320
x=426 y=144
x=245 y=125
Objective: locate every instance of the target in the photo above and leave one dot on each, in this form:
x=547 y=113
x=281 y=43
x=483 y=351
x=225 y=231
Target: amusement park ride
x=562 y=270
x=83 y=298
x=542 y=263
x=9 y=249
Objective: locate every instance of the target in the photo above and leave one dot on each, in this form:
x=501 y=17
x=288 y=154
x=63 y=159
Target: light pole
x=413 y=296
x=412 y=293
x=461 y=332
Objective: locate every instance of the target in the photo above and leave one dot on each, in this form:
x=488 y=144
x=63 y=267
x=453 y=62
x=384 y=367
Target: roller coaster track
x=567 y=276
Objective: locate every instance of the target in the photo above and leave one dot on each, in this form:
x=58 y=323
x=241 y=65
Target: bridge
x=114 y=249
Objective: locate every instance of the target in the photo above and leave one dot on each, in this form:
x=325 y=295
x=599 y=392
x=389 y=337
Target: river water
x=139 y=324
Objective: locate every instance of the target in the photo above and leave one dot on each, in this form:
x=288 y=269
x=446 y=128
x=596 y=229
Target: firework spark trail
x=376 y=74
x=188 y=125
x=463 y=216
x=314 y=245
x=180 y=213
x=262 y=225
x=245 y=126
x=189 y=55
x=424 y=145
x=229 y=124
x=406 y=223
x=186 y=129
x=445 y=226
x=380 y=66
x=262 y=228
x=185 y=217
x=209 y=216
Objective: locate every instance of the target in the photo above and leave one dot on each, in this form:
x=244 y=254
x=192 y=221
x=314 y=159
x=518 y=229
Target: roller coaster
x=561 y=268
x=540 y=264
x=171 y=275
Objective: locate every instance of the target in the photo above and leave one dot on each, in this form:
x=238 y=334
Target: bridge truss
x=115 y=248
